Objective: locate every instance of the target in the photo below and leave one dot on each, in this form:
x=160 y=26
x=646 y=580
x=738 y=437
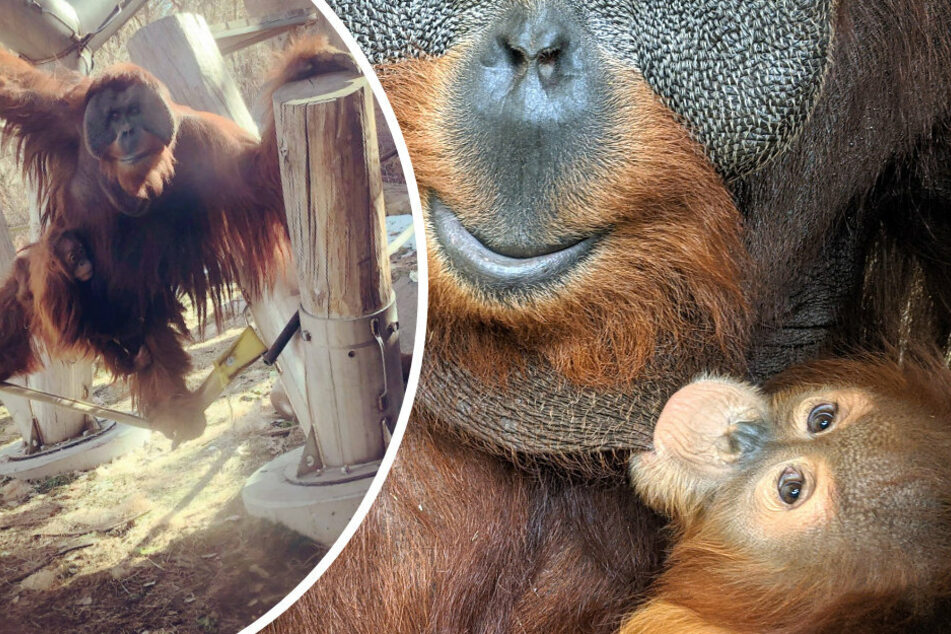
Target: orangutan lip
x=496 y=272
x=135 y=158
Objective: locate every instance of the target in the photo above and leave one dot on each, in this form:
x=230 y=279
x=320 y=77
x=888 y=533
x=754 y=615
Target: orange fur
x=853 y=573
x=147 y=178
x=54 y=317
x=460 y=543
x=669 y=274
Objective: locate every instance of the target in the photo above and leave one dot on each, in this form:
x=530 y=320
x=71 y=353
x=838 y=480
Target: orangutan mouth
x=133 y=159
x=496 y=273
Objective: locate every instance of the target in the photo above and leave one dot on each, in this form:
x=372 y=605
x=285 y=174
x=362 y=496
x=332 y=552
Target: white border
x=421 y=312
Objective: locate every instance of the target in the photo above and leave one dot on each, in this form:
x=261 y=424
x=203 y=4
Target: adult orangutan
x=170 y=203
x=620 y=196
x=821 y=504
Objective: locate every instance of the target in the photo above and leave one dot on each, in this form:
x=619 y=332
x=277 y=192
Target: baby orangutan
x=71 y=254
x=820 y=504
x=68 y=263
x=62 y=257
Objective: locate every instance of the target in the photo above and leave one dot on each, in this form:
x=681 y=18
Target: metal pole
x=74 y=404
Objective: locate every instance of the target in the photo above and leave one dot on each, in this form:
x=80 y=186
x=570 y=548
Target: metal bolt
x=345 y=469
x=309 y=461
x=305 y=335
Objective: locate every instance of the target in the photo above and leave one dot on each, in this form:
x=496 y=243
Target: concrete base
x=77 y=454
x=318 y=506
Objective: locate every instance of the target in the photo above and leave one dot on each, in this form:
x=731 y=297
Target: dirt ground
x=158 y=540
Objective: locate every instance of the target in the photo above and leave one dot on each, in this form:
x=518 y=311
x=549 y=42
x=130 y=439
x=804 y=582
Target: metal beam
x=75 y=404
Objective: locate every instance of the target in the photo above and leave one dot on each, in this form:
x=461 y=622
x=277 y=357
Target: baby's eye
x=821 y=418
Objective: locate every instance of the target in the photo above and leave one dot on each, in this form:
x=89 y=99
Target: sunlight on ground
x=124 y=516
x=158 y=540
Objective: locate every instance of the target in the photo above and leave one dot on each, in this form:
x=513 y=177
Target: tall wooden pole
x=333 y=194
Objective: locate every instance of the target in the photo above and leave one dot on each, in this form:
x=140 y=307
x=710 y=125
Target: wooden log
x=333 y=194
x=260 y=8
x=334 y=209
x=235 y=35
x=8 y=252
x=180 y=50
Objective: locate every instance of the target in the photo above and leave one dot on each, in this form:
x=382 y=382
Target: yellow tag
x=244 y=351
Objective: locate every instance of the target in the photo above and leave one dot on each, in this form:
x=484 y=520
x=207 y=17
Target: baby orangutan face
x=830 y=484
x=72 y=256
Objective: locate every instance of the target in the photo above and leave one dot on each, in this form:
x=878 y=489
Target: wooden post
x=333 y=194
x=180 y=50
x=8 y=252
x=259 y=8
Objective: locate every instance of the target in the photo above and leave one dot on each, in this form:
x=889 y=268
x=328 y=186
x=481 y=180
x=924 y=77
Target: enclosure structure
x=349 y=325
x=341 y=371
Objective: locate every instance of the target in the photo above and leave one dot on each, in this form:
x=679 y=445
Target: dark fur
x=848 y=226
x=460 y=543
x=72 y=257
x=17 y=300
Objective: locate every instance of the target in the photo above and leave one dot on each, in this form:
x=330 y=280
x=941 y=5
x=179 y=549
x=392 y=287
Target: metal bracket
x=341 y=333
x=310 y=460
x=242 y=352
x=361 y=352
x=332 y=475
x=66 y=444
x=376 y=330
x=359 y=332
x=36 y=437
